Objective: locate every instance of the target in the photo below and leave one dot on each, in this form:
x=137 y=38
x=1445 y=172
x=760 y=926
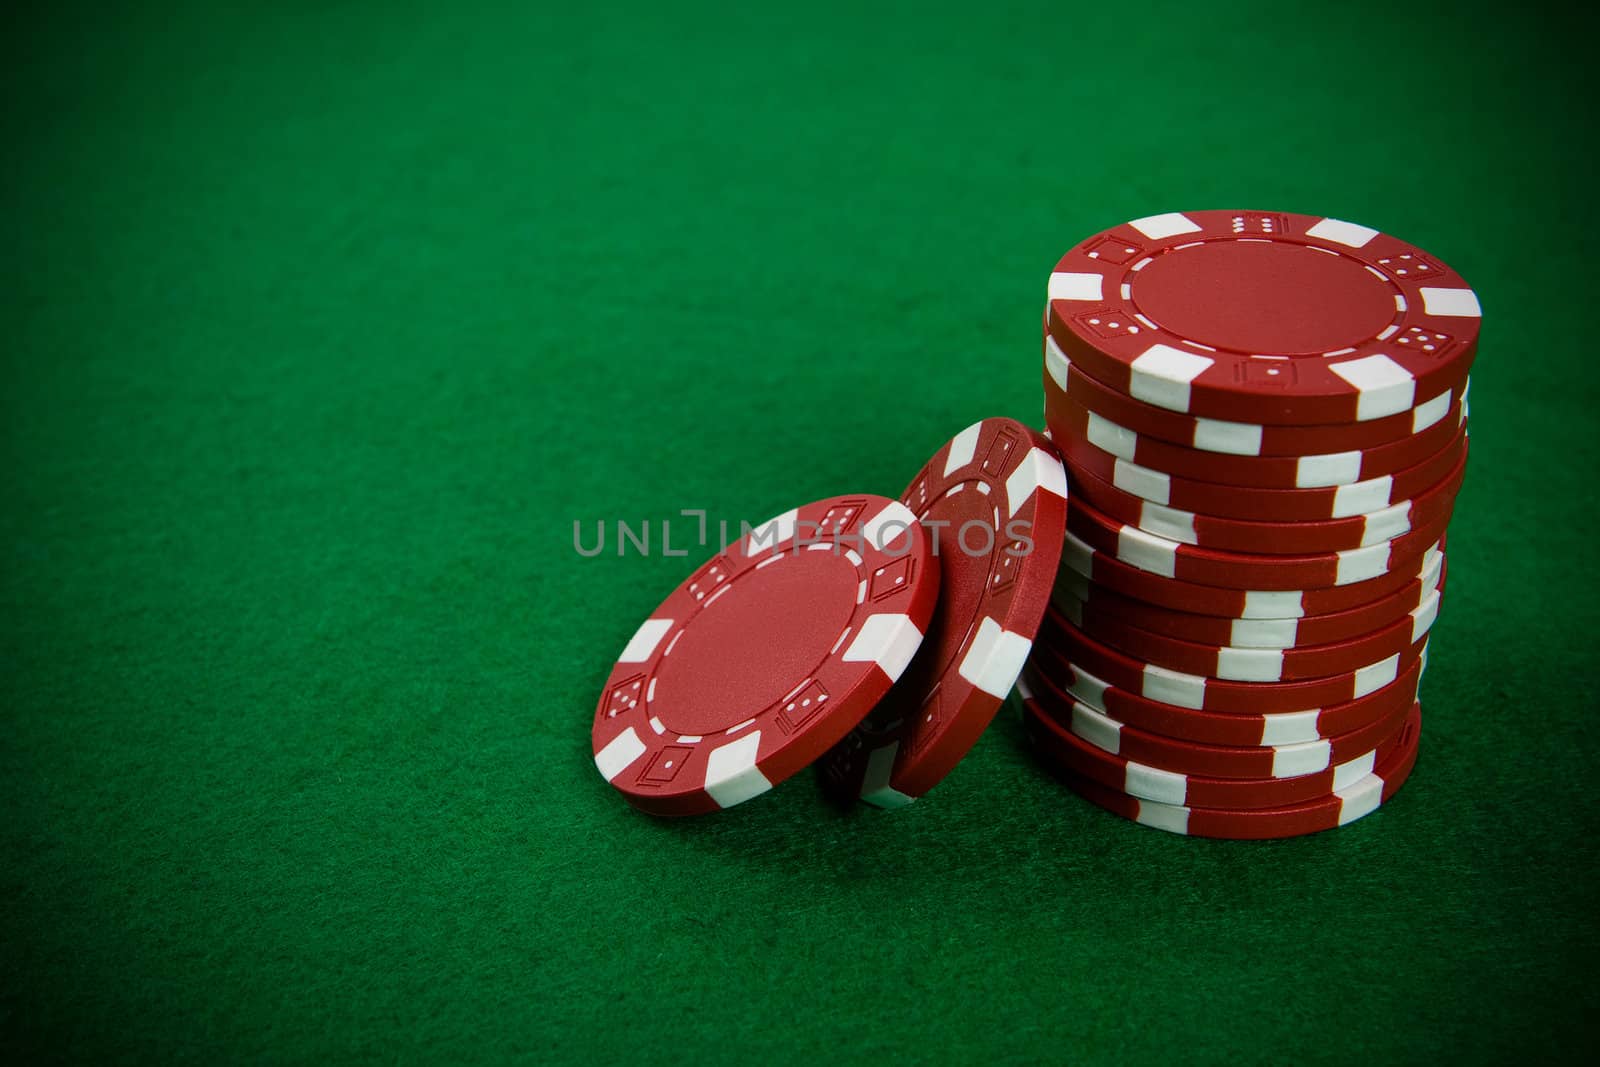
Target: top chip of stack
x=1263 y=417
x=1261 y=317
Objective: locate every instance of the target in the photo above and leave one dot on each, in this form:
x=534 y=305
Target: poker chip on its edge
x=1004 y=478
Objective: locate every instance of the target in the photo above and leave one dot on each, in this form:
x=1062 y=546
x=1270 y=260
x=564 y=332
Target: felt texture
x=324 y=322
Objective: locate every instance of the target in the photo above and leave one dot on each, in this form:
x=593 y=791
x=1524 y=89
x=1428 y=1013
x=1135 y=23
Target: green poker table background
x=324 y=322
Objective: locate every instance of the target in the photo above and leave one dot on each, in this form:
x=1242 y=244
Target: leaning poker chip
x=1216 y=761
x=1272 y=538
x=1265 y=505
x=1227 y=728
x=1070 y=420
x=1215 y=694
x=1105 y=569
x=1063 y=748
x=1269 y=317
x=767 y=656
x=1242 y=438
x=1007 y=478
x=1232 y=663
x=1239 y=570
x=1345 y=805
x=1255 y=633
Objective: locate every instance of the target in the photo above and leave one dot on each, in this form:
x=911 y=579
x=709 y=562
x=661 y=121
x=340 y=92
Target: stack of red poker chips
x=1263 y=419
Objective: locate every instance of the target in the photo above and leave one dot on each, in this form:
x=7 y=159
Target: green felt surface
x=322 y=324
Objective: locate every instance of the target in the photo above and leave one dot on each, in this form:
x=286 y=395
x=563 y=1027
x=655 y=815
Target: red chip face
x=1214 y=292
x=1263 y=317
x=765 y=657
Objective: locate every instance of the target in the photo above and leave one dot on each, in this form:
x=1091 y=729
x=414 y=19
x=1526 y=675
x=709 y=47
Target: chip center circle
x=1264 y=297
x=756 y=642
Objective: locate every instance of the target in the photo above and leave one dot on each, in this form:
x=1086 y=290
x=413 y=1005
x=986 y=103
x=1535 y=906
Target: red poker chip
x=1266 y=505
x=1213 y=694
x=1239 y=570
x=1240 y=729
x=1217 y=761
x=1273 y=538
x=1343 y=806
x=1062 y=748
x=1072 y=419
x=1006 y=478
x=1267 y=317
x=1231 y=663
x=1255 y=633
x=1250 y=438
x=766 y=656
x=1103 y=568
